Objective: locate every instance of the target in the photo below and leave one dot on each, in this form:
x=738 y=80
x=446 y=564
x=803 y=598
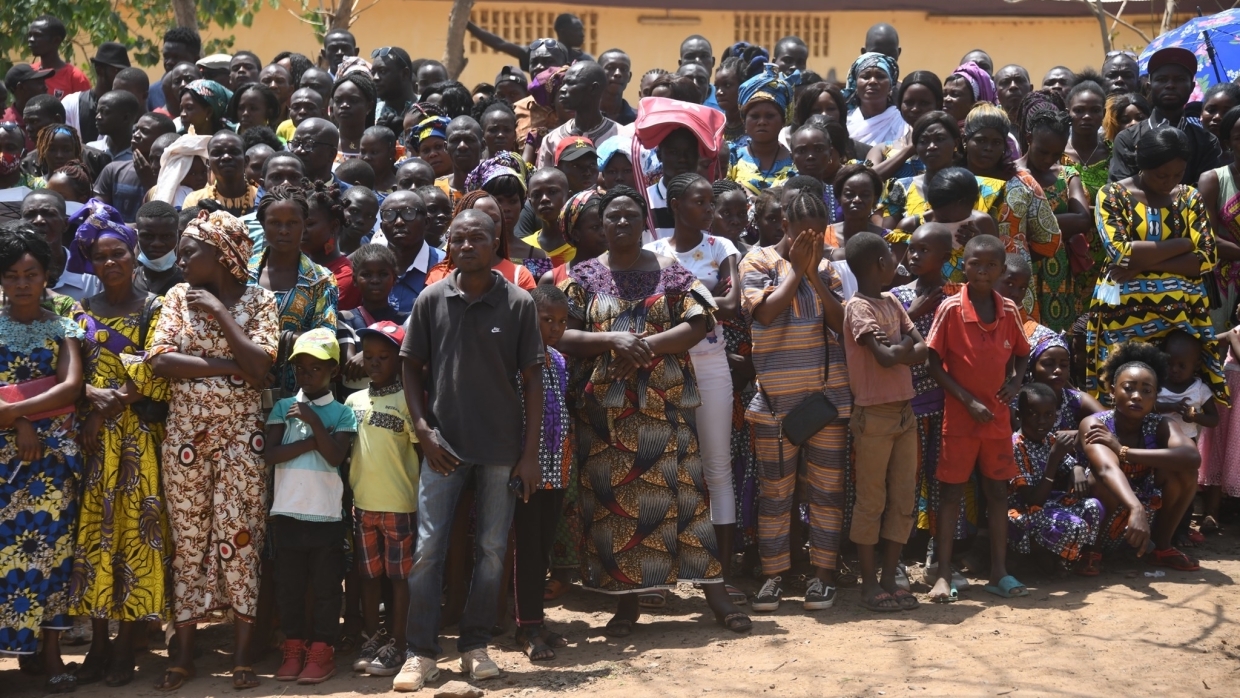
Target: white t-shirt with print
x=703 y=262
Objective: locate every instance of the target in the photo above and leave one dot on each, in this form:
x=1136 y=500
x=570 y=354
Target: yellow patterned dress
x=123 y=550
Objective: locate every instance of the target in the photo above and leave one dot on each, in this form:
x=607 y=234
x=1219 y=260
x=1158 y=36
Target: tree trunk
x=344 y=15
x=186 y=13
x=1096 y=7
x=1168 y=16
x=454 y=52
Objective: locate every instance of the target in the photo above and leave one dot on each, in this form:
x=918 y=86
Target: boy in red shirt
x=978 y=353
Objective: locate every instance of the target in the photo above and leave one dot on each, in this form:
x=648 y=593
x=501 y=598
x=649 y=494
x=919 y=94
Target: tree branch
x=454 y=50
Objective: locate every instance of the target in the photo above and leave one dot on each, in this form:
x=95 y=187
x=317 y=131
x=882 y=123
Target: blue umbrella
x=1221 y=30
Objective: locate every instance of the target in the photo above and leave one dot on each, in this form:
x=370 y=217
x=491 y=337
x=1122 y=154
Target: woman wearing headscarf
x=123 y=546
x=761 y=161
x=968 y=86
x=429 y=141
x=215 y=341
x=537 y=114
x=872 y=118
x=204 y=104
x=504 y=178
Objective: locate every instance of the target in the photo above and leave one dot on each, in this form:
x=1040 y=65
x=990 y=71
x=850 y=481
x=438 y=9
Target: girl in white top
x=714 y=261
x=1184 y=397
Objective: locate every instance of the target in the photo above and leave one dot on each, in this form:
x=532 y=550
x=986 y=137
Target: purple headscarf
x=981 y=82
x=93 y=221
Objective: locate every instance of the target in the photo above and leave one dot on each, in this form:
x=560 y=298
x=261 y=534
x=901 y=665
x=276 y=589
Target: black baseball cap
x=23 y=72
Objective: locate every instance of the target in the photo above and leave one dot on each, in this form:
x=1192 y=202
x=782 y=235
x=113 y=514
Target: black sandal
x=120 y=673
x=94 y=667
x=554 y=639
x=619 y=627
x=61 y=683
x=737 y=622
x=535 y=647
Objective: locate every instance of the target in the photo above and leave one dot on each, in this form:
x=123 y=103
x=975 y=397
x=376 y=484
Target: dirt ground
x=1119 y=634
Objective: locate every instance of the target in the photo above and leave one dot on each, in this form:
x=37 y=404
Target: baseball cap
x=387 y=329
x=1172 y=55
x=543 y=48
x=320 y=343
x=216 y=61
x=23 y=72
x=511 y=73
x=574 y=148
x=112 y=54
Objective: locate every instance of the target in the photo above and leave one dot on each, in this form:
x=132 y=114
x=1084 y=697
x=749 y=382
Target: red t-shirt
x=65 y=81
x=350 y=294
x=976 y=355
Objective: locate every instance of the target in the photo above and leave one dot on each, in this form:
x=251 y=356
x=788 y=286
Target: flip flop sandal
x=1091 y=566
x=619 y=627
x=535 y=645
x=1196 y=537
x=1175 y=559
x=737 y=622
x=1007 y=588
x=554 y=589
x=907 y=601
x=654 y=599
x=555 y=640
x=61 y=683
x=1209 y=525
x=737 y=596
x=240 y=682
x=952 y=597
x=181 y=676
x=874 y=603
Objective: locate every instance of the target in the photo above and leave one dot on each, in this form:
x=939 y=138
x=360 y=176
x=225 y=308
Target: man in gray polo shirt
x=475 y=332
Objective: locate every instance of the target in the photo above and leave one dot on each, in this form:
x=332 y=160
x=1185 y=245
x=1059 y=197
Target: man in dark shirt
x=619 y=69
x=1171 y=72
x=158 y=233
x=468 y=339
x=121 y=185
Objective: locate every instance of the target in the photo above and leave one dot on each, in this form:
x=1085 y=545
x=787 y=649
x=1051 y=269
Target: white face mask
x=162 y=264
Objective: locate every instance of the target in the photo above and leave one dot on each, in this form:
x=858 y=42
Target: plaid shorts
x=385 y=543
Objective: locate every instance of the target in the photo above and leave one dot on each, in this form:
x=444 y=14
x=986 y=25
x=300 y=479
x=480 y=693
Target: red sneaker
x=320 y=664
x=294 y=660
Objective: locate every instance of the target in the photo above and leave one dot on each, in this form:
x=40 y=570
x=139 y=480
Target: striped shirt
x=789 y=353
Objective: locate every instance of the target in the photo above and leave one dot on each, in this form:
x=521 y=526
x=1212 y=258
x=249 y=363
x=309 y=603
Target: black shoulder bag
x=146 y=409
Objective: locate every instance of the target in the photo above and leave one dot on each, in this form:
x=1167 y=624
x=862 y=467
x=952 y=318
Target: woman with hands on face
x=1144 y=469
x=123 y=518
x=216 y=341
x=634 y=316
x=43 y=462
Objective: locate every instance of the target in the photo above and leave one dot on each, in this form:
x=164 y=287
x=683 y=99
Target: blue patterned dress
x=1140 y=479
x=1065 y=523
x=38 y=499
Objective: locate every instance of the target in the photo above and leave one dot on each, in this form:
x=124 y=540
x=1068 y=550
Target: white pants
x=714 y=427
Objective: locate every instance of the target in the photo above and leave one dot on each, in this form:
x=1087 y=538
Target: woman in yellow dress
x=122 y=548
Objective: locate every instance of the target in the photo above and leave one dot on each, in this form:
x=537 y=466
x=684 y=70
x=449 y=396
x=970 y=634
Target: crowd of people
x=281 y=338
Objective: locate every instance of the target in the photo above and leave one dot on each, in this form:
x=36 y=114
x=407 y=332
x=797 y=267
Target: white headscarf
x=177 y=159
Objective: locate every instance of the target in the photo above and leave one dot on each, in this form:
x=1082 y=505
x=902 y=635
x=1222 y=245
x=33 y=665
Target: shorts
x=959 y=454
x=385 y=542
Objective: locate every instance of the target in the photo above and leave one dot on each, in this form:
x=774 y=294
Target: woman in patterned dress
x=1044 y=135
x=1158 y=241
x=123 y=550
x=216 y=340
x=633 y=317
x=760 y=161
x=39 y=457
x=1027 y=226
x=1144 y=467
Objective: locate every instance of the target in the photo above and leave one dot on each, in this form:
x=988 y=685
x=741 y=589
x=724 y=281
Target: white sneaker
x=415 y=673
x=478 y=665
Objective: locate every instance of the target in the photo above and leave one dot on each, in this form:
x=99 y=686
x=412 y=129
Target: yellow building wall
x=930 y=42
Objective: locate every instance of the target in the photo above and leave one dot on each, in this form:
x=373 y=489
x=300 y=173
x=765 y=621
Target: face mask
x=9 y=163
x=162 y=264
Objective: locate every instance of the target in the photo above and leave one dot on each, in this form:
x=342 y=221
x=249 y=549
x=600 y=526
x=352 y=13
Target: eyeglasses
x=307 y=144
x=409 y=213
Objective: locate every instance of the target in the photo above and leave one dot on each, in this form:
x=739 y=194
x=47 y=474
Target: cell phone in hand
x=517 y=485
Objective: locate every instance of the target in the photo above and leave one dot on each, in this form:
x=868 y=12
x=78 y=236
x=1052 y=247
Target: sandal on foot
x=174 y=678
x=240 y=682
x=94 y=667
x=736 y=621
x=951 y=597
x=1090 y=566
x=653 y=599
x=906 y=599
x=61 y=683
x=736 y=596
x=619 y=627
x=554 y=640
x=1196 y=537
x=120 y=673
x=554 y=589
x=880 y=602
x=1008 y=588
x=535 y=647
x=1175 y=559
x=1209 y=525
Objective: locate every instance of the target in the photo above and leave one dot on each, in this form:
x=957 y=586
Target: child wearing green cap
x=308 y=437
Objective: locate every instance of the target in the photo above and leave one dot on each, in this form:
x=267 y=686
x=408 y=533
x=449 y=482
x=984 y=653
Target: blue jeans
x=437 y=499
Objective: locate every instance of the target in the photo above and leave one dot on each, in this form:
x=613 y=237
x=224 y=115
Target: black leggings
x=535 y=523
x=309 y=555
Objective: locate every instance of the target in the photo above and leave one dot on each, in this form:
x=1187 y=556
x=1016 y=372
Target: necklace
x=632 y=264
x=1085 y=160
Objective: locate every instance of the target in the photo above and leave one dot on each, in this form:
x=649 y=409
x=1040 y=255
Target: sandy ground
x=1120 y=634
